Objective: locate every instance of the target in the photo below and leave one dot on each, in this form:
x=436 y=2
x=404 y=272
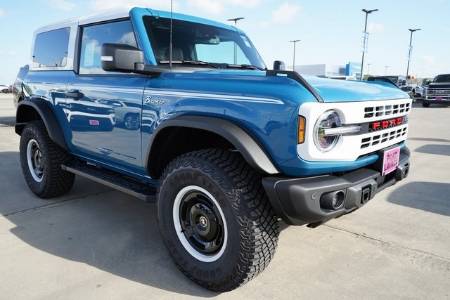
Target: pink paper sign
x=391 y=160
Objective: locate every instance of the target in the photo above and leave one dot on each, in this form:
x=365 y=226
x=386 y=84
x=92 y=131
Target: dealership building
x=349 y=70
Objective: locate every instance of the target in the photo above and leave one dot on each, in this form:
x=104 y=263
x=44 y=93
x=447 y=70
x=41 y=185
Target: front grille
x=364 y=113
x=437 y=97
x=382 y=138
x=438 y=92
x=386 y=110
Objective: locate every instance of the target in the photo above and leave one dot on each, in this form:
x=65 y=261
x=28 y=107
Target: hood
x=443 y=85
x=334 y=90
x=330 y=90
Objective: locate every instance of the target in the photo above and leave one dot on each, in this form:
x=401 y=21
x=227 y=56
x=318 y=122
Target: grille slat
x=386 y=110
x=383 y=138
x=442 y=92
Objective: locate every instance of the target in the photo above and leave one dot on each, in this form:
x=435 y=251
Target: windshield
x=442 y=78
x=194 y=43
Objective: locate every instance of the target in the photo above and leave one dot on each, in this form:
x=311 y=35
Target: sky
x=330 y=31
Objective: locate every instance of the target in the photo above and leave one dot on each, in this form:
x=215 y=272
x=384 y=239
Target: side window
x=221 y=53
x=50 y=48
x=95 y=36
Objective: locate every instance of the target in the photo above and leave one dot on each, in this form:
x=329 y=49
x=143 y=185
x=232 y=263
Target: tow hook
x=402 y=172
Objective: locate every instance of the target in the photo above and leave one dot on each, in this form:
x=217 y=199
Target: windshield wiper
x=191 y=62
x=212 y=65
x=243 y=66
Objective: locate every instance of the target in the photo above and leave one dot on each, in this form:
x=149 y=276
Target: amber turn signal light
x=301 y=130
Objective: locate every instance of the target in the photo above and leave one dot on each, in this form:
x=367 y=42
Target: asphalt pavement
x=96 y=243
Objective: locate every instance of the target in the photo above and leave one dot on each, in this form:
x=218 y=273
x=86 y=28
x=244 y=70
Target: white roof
x=106 y=15
x=99 y=17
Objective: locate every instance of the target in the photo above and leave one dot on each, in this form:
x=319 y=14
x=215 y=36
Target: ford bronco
x=182 y=111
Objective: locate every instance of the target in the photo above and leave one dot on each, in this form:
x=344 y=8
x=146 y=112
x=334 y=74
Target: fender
x=252 y=152
x=26 y=111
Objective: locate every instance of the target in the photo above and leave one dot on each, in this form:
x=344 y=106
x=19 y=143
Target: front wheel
x=215 y=219
x=426 y=104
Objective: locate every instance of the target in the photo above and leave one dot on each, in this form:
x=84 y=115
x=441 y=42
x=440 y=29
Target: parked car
x=4 y=89
x=127 y=115
x=418 y=91
x=398 y=81
x=414 y=90
x=227 y=148
x=84 y=114
x=438 y=91
x=408 y=89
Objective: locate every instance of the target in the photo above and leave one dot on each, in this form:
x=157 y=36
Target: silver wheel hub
x=35 y=161
x=203 y=221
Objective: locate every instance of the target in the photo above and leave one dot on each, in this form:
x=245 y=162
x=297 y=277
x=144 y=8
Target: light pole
x=410 y=49
x=235 y=20
x=293 y=60
x=368 y=68
x=386 y=68
x=367 y=12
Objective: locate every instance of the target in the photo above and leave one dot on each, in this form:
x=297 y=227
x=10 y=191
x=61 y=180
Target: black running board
x=113 y=180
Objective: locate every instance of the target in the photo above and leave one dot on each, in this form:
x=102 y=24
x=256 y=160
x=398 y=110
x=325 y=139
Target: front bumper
x=298 y=200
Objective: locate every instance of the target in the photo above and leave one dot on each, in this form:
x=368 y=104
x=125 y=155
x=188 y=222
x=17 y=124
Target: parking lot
x=96 y=243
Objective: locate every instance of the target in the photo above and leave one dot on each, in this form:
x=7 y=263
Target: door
x=104 y=108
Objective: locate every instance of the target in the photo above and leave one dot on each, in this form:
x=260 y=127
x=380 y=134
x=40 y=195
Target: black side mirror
x=279 y=65
x=121 y=58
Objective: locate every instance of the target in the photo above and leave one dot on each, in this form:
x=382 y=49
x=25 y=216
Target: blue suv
x=183 y=111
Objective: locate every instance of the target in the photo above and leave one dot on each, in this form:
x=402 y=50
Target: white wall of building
x=323 y=70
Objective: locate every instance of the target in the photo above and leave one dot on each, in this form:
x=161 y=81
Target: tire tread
x=58 y=181
x=259 y=225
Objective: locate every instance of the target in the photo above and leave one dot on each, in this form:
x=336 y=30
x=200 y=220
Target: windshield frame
x=252 y=54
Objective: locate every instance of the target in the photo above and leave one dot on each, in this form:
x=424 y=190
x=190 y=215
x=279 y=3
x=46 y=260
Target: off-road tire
x=55 y=182
x=252 y=225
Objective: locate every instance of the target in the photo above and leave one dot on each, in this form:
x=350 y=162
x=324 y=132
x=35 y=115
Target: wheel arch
x=37 y=109
x=167 y=142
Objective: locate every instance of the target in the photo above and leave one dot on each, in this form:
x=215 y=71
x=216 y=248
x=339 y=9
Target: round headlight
x=329 y=119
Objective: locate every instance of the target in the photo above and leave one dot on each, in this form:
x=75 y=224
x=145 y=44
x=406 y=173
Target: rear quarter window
x=51 y=48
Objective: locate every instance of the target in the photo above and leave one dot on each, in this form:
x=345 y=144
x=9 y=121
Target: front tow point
x=332 y=200
x=365 y=194
x=402 y=172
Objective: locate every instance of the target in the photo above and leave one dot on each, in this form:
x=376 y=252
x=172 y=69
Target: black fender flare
x=252 y=152
x=45 y=111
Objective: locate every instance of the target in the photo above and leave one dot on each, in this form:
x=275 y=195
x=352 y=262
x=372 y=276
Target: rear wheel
x=215 y=219
x=41 y=161
x=426 y=104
